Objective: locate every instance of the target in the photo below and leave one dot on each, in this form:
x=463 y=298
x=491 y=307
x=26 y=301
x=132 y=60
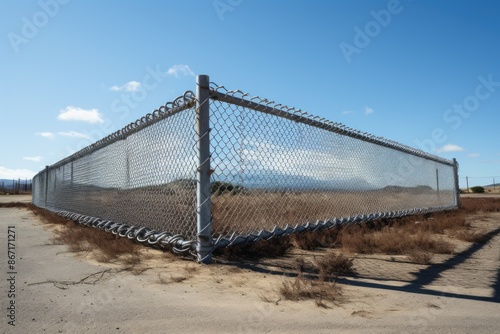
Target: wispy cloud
x=7 y=173
x=368 y=111
x=36 y=159
x=131 y=86
x=48 y=135
x=347 y=112
x=473 y=155
x=78 y=114
x=73 y=134
x=180 y=70
x=450 y=148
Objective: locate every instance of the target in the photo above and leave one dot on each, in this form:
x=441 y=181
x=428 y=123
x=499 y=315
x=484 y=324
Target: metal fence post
x=437 y=182
x=203 y=191
x=457 y=187
x=46 y=184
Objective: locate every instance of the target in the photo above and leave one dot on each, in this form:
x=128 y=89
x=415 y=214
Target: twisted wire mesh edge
x=319 y=225
x=144 y=235
x=261 y=104
x=178 y=244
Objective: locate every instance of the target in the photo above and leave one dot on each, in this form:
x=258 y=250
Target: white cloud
x=48 y=135
x=473 y=155
x=78 y=114
x=180 y=70
x=73 y=134
x=347 y=112
x=36 y=159
x=131 y=86
x=9 y=174
x=450 y=148
x=368 y=111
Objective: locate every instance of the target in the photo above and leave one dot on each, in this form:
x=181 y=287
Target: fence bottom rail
x=142 y=235
x=178 y=243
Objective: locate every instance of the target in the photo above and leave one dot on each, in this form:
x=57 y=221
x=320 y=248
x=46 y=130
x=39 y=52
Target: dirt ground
x=57 y=291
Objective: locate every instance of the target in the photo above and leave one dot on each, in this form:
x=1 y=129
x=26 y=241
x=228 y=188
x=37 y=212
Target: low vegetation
x=105 y=246
x=477 y=189
x=321 y=292
x=417 y=237
x=274 y=247
x=332 y=264
x=420 y=257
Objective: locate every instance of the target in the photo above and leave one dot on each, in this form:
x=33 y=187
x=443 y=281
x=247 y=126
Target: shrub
x=477 y=189
x=332 y=264
x=302 y=289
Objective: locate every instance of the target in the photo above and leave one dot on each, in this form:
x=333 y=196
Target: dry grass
x=331 y=265
x=47 y=216
x=420 y=257
x=416 y=236
x=324 y=290
x=104 y=246
x=274 y=247
x=391 y=241
x=407 y=235
x=480 y=204
x=315 y=240
x=468 y=235
x=303 y=289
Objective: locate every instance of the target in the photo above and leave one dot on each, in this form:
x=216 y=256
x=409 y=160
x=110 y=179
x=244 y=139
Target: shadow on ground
x=423 y=278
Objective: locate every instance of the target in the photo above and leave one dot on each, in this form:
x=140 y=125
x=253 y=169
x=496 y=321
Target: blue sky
x=424 y=73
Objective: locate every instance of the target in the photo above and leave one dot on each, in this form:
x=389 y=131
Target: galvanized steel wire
x=275 y=170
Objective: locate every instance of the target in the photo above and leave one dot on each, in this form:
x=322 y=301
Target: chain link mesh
x=277 y=170
x=274 y=171
x=141 y=176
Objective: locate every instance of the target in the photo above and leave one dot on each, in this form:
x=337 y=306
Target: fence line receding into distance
x=218 y=167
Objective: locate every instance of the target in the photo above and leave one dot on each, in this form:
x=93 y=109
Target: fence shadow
x=418 y=285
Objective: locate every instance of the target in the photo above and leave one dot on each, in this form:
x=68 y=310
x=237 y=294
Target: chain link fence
x=490 y=184
x=220 y=167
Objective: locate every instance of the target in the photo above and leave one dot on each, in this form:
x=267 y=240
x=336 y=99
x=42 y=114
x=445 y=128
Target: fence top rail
x=257 y=103
x=186 y=101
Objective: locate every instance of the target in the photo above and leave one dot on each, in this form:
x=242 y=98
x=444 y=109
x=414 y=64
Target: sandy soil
x=61 y=292
x=15 y=198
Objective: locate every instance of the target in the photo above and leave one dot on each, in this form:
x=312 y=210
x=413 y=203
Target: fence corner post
x=203 y=192
x=457 y=185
